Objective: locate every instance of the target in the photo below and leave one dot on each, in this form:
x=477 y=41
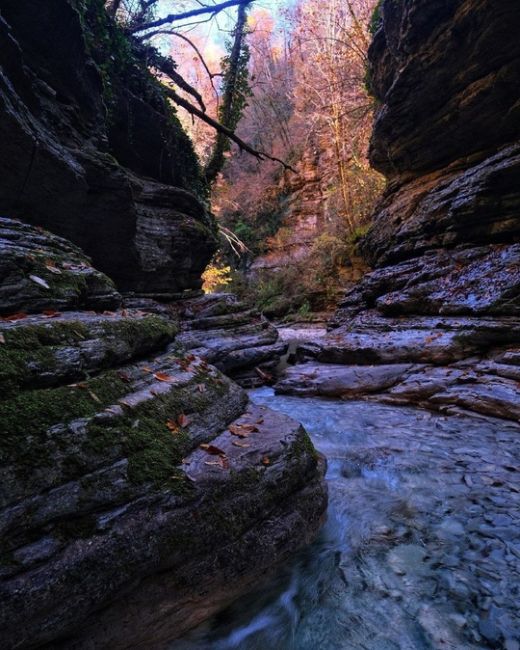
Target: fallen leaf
x=124 y=377
x=162 y=376
x=2 y=338
x=51 y=313
x=222 y=463
x=237 y=443
x=172 y=426
x=242 y=430
x=18 y=316
x=214 y=463
x=94 y=397
x=266 y=461
x=146 y=369
x=51 y=266
x=39 y=281
x=212 y=449
x=185 y=461
x=201 y=388
x=183 y=420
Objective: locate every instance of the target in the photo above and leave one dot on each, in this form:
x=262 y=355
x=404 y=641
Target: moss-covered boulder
x=128 y=464
x=39 y=271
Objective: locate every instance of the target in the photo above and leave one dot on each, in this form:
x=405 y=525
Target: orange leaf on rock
x=162 y=376
x=266 y=461
x=20 y=315
x=222 y=463
x=244 y=445
x=51 y=313
x=183 y=420
x=242 y=430
x=212 y=449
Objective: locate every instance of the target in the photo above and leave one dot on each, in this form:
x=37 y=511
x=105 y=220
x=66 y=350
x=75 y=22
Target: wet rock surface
x=239 y=341
x=421 y=547
x=444 y=295
x=137 y=479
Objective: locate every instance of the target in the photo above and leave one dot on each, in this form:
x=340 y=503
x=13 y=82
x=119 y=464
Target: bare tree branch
x=170 y=32
x=193 y=110
x=171 y=18
x=167 y=66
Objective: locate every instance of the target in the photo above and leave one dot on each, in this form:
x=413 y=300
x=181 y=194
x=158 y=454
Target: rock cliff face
x=438 y=320
x=140 y=490
x=93 y=152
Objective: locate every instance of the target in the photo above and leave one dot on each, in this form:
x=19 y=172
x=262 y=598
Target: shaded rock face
x=438 y=319
x=138 y=482
x=93 y=152
x=39 y=271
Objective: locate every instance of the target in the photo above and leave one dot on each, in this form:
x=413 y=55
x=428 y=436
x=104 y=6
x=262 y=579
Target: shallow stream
x=421 y=548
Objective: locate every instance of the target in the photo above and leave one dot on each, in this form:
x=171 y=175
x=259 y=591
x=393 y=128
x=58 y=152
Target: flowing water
x=421 y=548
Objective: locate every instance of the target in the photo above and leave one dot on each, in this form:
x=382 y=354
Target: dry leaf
x=51 y=313
x=2 y=338
x=183 y=420
x=18 y=316
x=212 y=449
x=242 y=430
x=124 y=377
x=94 y=397
x=172 y=426
x=266 y=461
x=51 y=266
x=237 y=443
x=222 y=463
x=162 y=376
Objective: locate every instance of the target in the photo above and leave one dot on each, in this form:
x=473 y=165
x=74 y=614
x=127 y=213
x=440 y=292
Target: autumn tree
x=142 y=23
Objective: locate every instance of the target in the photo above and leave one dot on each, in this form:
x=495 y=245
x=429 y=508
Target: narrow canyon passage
x=421 y=548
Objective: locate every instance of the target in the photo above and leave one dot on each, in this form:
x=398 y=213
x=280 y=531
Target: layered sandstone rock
x=92 y=151
x=438 y=320
x=137 y=480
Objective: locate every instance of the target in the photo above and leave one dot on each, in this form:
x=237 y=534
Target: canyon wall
x=438 y=320
x=141 y=491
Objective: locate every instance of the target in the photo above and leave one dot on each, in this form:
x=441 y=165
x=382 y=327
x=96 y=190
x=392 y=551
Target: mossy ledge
x=70 y=431
x=40 y=351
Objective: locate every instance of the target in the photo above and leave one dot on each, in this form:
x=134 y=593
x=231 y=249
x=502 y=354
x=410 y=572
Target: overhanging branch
x=171 y=18
x=193 y=110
